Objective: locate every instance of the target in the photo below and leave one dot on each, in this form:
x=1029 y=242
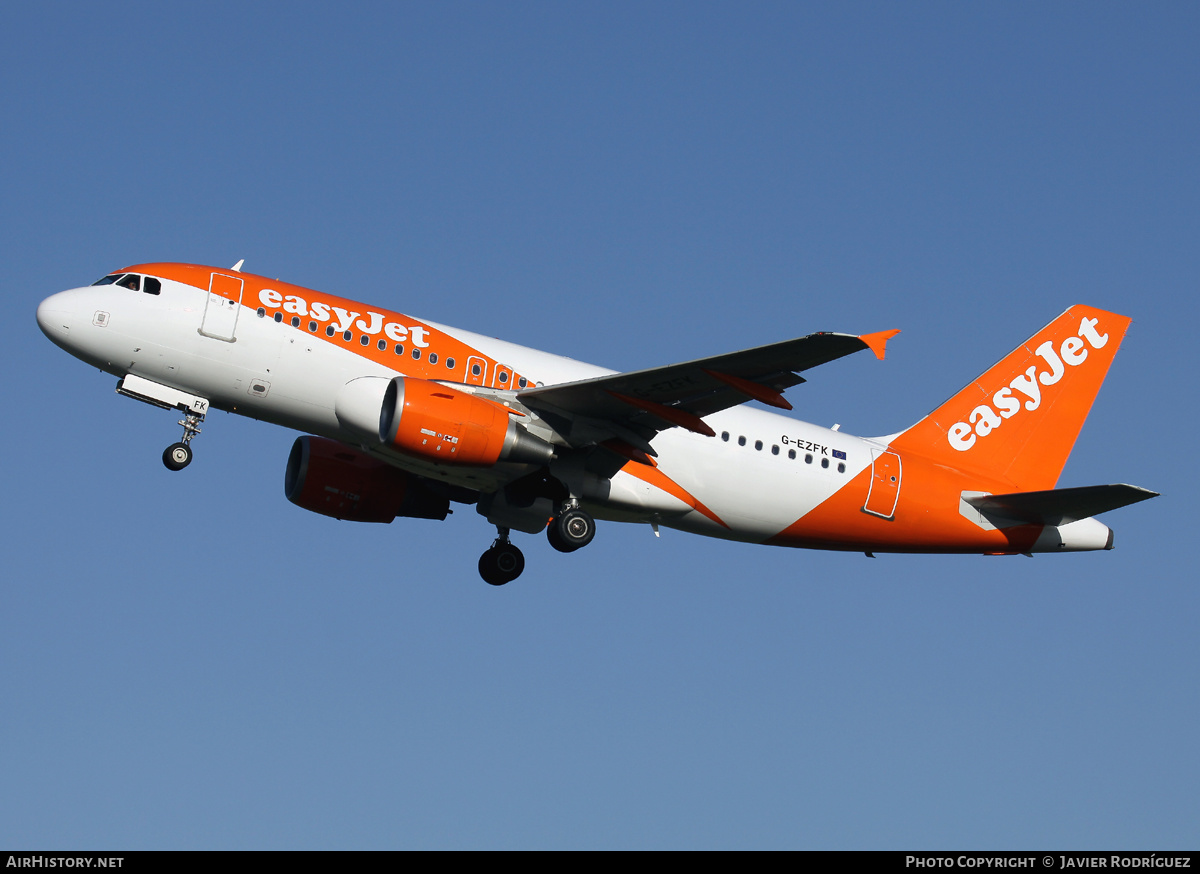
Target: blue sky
x=187 y=660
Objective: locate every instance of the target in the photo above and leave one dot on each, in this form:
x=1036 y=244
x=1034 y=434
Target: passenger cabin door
x=221 y=309
x=885 y=485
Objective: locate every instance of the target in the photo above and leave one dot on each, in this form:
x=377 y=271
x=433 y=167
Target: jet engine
x=453 y=427
x=332 y=479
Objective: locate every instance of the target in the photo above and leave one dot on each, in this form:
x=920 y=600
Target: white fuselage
x=546 y=435
x=761 y=473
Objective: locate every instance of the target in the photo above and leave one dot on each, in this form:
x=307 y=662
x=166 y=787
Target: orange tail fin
x=1019 y=420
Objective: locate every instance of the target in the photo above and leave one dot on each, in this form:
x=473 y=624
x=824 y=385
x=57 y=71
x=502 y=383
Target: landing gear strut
x=571 y=529
x=502 y=563
x=177 y=456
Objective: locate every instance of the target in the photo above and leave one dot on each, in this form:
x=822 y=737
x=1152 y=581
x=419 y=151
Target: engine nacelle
x=332 y=479
x=453 y=427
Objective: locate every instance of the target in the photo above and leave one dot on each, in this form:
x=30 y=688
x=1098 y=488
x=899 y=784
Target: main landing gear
x=502 y=563
x=177 y=456
x=570 y=530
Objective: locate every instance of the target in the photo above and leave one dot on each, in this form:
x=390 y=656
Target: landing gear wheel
x=177 y=456
x=571 y=530
x=501 y=564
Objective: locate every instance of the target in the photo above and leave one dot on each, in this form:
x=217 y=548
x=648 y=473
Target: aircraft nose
x=55 y=314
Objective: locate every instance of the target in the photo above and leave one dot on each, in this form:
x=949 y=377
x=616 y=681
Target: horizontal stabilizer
x=1060 y=506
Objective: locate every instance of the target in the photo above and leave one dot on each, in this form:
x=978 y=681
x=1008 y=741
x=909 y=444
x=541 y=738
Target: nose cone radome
x=55 y=315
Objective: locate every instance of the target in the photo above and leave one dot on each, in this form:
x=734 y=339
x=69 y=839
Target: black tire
x=501 y=564
x=177 y=456
x=572 y=530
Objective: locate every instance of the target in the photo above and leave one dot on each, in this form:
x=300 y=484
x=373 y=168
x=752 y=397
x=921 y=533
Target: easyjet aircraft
x=408 y=416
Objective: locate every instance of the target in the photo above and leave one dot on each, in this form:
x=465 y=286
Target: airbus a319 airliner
x=405 y=416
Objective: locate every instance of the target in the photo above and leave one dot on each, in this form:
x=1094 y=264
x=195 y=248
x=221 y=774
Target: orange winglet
x=877 y=342
x=755 y=390
x=674 y=415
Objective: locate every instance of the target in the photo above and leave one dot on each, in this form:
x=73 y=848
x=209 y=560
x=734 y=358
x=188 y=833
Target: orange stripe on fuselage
x=655 y=477
x=298 y=301
x=1009 y=430
x=927 y=517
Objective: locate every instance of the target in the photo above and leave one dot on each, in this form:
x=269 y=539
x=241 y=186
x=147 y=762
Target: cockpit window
x=131 y=281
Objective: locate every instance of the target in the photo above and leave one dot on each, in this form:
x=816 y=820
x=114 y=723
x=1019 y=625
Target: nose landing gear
x=177 y=456
x=502 y=563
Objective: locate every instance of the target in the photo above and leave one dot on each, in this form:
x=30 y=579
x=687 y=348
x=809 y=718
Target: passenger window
x=825 y=462
x=758 y=445
x=364 y=340
x=841 y=467
x=774 y=450
x=503 y=378
x=279 y=317
x=449 y=363
x=152 y=286
x=312 y=327
x=741 y=441
x=382 y=345
x=295 y=321
x=433 y=358
x=475 y=370
x=725 y=436
x=791 y=453
x=417 y=354
x=261 y=312
x=348 y=336
x=399 y=350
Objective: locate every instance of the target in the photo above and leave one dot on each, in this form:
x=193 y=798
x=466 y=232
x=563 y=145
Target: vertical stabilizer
x=1019 y=420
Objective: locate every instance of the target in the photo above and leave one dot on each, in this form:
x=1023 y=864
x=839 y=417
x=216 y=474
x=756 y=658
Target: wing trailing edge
x=649 y=401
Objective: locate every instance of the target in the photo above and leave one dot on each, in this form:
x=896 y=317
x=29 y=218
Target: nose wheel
x=177 y=456
x=502 y=563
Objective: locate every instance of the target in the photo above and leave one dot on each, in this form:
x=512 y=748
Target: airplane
x=402 y=417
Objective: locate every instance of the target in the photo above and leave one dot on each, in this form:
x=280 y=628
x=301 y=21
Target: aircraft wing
x=641 y=403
